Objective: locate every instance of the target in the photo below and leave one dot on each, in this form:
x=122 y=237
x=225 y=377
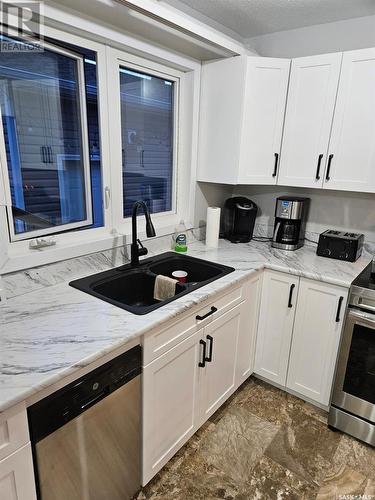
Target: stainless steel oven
x=353 y=402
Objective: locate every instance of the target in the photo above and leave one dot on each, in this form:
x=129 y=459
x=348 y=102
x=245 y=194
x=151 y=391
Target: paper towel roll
x=213 y=226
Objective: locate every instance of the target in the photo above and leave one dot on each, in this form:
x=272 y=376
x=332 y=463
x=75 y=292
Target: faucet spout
x=137 y=250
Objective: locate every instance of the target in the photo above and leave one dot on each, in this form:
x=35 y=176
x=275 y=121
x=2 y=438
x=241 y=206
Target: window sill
x=20 y=257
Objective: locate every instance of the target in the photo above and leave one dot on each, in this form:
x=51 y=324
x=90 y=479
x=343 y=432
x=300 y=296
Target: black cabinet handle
x=339 y=309
x=275 y=166
x=317 y=177
x=209 y=357
x=291 y=295
x=200 y=318
x=330 y=158
x=202 y=363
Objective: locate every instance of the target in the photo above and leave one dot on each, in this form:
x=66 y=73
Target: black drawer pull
x=202 y=363
x=291 y=295
x=317 y=177
x=209 y=357
x=339 y=309
x=275 y=166
x=330 y=158
x=200 y=318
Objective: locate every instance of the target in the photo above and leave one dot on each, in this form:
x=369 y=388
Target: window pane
x=40 y=104
x=147 y=140
x=92 y=112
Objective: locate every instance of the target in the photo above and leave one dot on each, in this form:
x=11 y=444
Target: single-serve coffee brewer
x=290 y=221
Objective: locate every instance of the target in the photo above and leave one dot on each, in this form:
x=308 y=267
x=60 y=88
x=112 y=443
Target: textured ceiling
x=250 y=18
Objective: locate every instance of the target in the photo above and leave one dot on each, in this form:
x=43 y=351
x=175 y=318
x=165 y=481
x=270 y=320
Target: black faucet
x=136 y=250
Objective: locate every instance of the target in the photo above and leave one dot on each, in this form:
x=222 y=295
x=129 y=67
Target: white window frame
x=72 y=243
x=27 y=235
x=164 y=222
x=116 y=231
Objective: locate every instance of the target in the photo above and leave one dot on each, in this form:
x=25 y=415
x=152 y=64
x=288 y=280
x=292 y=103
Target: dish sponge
x=165 y=287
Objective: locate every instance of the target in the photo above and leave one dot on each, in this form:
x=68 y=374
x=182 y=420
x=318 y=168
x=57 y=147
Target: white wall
x=349 y=211
x=209 y=195
x=322 y=38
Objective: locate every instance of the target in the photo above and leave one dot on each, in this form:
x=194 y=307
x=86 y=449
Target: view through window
x=147 y=116
x=53 y=158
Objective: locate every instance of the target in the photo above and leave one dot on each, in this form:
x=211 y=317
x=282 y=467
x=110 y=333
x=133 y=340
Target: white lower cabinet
x=284 y=328
x=189 y=382
x=299 y=334
x=170 y=403
x=217 y=381
x=17 y=476
x=278 y=302
x=316 y=336
x=248 y=328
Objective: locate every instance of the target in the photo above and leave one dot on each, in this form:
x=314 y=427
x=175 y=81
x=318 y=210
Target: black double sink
x=132 y=288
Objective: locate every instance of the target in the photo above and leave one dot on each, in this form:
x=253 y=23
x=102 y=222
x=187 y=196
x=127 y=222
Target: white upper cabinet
x=242 y=112
x=352 y=145
x=325 y=138
x=266 y=87
x=311 y=102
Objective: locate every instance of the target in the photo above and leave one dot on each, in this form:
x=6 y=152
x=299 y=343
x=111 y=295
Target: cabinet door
x=170 y=412
x=316 y=336
x=248 y=329
x=264 y=108
x=352 y=144
x=311 y=100
x=279 y=297
x=220 y=121
x=218 y=378
x=17 y=476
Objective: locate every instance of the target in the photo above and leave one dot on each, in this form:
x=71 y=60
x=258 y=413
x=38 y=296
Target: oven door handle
x=370 y=318
x=359 y=302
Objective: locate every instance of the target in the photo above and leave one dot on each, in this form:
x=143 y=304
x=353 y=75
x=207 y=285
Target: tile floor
x=266 y=444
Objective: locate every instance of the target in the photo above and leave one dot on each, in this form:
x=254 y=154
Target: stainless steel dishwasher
x=86 y=436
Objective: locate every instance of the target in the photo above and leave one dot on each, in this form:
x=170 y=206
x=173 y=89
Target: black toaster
x=340 y=245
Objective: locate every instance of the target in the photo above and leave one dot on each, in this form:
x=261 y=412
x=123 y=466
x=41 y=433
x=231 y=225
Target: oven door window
x=360 y=371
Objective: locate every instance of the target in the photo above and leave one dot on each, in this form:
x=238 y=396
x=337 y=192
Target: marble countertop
x=54 y=331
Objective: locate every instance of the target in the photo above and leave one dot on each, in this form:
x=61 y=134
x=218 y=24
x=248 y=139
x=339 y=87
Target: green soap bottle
x=181 y=238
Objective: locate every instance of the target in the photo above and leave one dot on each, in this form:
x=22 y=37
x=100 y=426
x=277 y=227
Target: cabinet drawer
x=17 y=476
x=160 y=340
x=14 y=431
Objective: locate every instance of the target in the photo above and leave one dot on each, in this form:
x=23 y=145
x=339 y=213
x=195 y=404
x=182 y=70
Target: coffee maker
x=290 y=221
x=238 y=219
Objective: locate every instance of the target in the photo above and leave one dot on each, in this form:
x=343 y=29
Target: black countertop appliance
x=238 y=219
x=340 y=245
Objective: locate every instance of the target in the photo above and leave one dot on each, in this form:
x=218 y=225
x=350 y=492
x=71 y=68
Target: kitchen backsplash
x=29 y=280
x=329 y=209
